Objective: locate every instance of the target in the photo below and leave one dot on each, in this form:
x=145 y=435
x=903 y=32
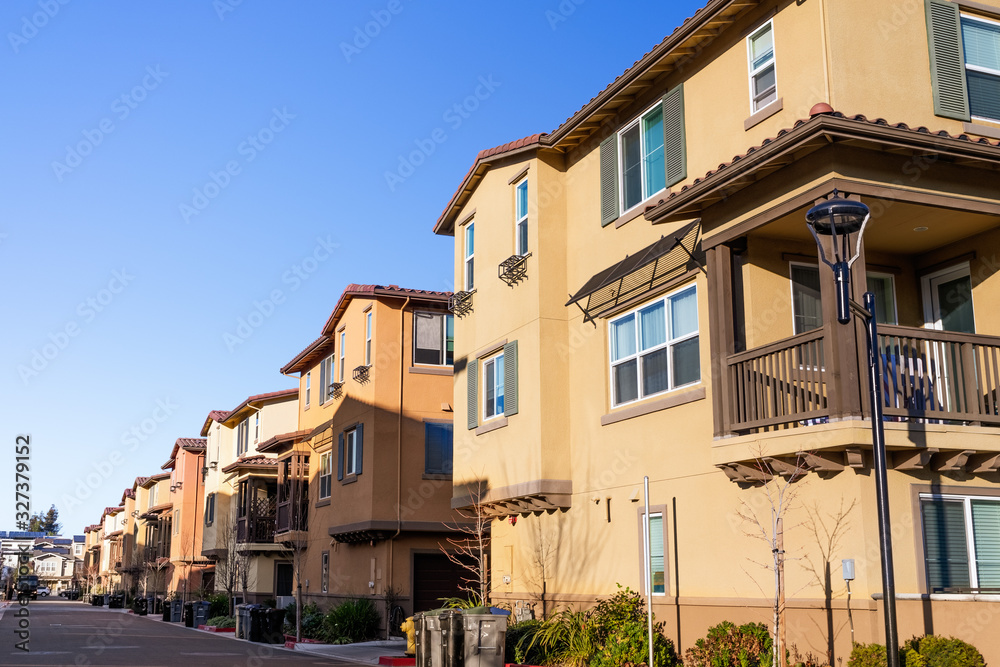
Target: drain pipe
x=399 y=441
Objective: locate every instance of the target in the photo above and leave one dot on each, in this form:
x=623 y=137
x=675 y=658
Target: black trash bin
x=140 y=606
x=258 y=621
x=201 y=613
x=274 y=630
x=116 y=601
x=176 y=606
x=96 y=600
x=165 y=608
x=188 y=615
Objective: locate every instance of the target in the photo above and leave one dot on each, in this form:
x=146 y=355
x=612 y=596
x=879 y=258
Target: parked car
x=43 y=591
x=70 y=593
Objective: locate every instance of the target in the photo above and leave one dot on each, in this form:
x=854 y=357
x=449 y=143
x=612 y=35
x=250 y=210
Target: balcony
x=928 y=377
x=257 y=523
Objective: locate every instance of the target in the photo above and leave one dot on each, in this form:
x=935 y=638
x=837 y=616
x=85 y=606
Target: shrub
x=926 y=651
x=222 y=621
x=729 y=645
x=218 y=604
x=613 y=634
x=312 y=620
x=520 y=647
x=355 y=620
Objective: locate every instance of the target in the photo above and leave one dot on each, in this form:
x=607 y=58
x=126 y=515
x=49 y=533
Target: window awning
x=653 y=266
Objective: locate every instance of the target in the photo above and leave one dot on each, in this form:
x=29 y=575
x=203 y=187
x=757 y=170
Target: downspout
x=824 y=25
x=194 y=521
x=399 y=442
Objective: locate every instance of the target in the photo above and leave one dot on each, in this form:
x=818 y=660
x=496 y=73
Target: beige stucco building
x=699 y=345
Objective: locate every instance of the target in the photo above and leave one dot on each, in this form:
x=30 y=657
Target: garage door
x=435 y=577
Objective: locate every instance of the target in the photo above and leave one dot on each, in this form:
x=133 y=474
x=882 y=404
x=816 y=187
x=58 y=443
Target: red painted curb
x=212 y=628
x=393 y=661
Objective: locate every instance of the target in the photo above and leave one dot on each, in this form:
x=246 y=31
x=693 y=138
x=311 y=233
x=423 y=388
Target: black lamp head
x=845 y=216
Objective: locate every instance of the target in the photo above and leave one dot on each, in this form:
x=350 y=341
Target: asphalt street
x=72 y=633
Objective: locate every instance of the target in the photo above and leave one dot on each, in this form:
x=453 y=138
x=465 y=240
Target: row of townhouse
x=341 y=486
x=57 y=561
x=699 y=344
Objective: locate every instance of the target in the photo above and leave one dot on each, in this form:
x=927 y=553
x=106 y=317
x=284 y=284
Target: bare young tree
x=230 y=564
x=470 y=548
x=775 y=478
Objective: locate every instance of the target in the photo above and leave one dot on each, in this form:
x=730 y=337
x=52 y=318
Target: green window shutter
x=359 y=435
x=510 y=378
x=986 y=537
x=340 y=456
x=944 y=39
x=945 y=545
x=674 y=136
x=472 y=375
x=609 y=180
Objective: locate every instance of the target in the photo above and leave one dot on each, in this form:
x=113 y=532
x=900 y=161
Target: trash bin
x=485 y=637
x=452 y=637
x=188 y=615
x=140 y=606
x=176 y=608
x=97 y=600
x=201 y=612
x=116 y=601
x=427 y=636
x=258 y=621
x=242 y=621
x=275 y=625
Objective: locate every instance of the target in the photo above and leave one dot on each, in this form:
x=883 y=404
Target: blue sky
x=169 y=167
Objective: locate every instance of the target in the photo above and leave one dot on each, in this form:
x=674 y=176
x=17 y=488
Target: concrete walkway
x=365 y=653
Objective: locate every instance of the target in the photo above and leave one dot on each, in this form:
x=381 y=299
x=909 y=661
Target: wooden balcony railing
x=257 y=525
x=927 y=376
x=780 y=383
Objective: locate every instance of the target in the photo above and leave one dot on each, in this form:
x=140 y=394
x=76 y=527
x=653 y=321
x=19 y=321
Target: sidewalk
x=365 y=653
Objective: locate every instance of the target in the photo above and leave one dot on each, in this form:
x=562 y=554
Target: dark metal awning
x=653 y=266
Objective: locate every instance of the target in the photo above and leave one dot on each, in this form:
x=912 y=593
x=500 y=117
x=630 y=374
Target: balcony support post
x=842 y=353
x=721 y=335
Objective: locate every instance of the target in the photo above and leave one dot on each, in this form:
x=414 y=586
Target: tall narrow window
x=351 y=451
x=308 y=387
x=521 y=217
x=883 y=287
x=256 y=427
x=493 y=379
x=325 y=379
x=325 y=577
x=343 y=345
x=981 y=43
x=641 y=149
x=655 y=348
x=470 y=252
x=763 y=83
x=325 y=470
x=437 y=448
x=368 y=338
x=433 y=338
x=242 y=438
x=807 y=307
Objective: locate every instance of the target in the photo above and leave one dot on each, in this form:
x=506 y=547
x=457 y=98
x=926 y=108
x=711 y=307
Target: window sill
x=664 y=403
x=990 y=131
x=639 y=209
x=491 y=425
x=431 y=370
x=435 y=475
x=349 y=479
x=323 y=503
x=762 y=115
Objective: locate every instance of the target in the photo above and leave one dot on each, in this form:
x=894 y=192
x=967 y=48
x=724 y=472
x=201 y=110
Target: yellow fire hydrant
x=411 y=636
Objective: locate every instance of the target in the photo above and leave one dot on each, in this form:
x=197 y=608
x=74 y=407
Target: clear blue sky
x=124 y=264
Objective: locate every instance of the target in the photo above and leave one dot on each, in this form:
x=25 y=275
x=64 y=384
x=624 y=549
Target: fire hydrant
x=411 y=636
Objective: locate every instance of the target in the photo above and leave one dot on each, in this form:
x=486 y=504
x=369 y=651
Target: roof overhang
x=315 y=351
x=251 y=467
x=375 y=531
x=806 y=137
x=280 y=443
x=252 y=402
x=534 y=497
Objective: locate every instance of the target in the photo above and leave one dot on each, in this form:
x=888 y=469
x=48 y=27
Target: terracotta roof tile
x=281 y=393
x=354 y=290
x=191 y=443
x=253 y=461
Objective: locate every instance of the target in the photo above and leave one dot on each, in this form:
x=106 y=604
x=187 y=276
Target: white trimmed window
x=981 y=43
x=325 y=379
x=961 y=541
x=368 y=338
x=470 y=257
x=521 y=217
x=325 y=577
x=641 y=155
x=351 y=450
x=883 y=286
x=256 y=427
x=654 y=349
x=242 y=434
x=763 y=81
x=433 y=338
x=325 y=473
x=308 y=387
x=493 y=380
x=343 y=346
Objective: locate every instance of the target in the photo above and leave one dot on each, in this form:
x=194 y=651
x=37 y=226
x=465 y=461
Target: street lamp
x=838 y=218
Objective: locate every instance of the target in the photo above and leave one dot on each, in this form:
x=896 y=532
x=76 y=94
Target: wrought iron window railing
x=460 y=303
x=514 y=269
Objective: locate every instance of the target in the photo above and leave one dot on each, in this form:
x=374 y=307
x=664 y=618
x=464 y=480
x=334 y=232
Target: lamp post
x=839 y=218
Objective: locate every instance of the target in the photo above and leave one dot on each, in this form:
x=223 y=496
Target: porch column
x=721 y=335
